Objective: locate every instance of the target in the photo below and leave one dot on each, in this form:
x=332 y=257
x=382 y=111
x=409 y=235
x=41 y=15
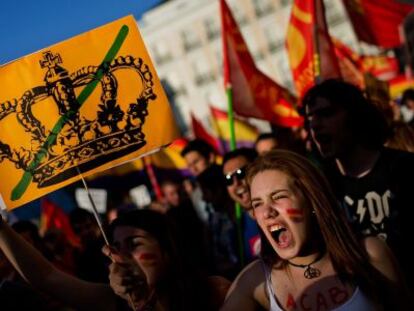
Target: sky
x=27 y=26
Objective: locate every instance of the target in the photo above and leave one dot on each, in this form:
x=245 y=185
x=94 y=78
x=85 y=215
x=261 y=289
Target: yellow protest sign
x=83 y=105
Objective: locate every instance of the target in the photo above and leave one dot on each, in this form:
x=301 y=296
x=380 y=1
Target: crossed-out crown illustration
x=82 y=142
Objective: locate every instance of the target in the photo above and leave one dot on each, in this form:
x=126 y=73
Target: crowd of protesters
x=322 y=222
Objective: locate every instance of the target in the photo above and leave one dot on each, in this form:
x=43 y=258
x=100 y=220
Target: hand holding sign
x=127 y=279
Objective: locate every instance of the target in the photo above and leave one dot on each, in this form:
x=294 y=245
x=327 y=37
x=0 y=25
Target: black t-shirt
x=381 y=203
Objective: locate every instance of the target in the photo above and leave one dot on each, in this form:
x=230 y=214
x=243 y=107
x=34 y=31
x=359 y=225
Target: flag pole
x=237 y=208
x=153 y=178
x=99 y=222
x=94 y=209
x=229 y=95
x=316 y=53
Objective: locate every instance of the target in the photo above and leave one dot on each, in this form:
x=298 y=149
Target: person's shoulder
x=253 y=273
x=247 y=290
x=254 y=266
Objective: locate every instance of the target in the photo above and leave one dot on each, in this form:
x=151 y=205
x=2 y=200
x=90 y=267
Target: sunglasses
x=240 y=174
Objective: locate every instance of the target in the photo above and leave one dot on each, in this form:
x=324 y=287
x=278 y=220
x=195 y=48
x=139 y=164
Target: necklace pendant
x=311 y=273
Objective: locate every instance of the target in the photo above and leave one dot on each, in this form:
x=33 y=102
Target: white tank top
x=357 y=302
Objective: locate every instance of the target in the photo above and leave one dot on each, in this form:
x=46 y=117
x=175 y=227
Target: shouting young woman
x=310 y=259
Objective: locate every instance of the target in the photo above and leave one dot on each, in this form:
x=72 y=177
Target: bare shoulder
x=247 y=289
x=251 y=275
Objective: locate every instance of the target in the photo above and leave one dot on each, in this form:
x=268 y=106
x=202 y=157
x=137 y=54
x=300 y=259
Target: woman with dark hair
x=310 y=258
x=155 y=275
x=149 y=273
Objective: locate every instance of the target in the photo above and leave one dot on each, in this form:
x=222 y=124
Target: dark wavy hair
x=152 y=222
x=367 y=124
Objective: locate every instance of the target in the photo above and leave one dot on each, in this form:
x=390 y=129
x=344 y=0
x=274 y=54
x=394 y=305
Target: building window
x=285 y=2
x=161 y=53
x=259 y=55
x=274 y=44
x=203 y=74
x=218 y=53
x=284 y=69
x=190 y=40
x=250 y=37
x=176 y=84
x=262 y=7
x=212 y=28
x=240 y=16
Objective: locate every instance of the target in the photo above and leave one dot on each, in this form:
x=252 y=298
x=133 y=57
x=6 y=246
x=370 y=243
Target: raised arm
x=41 y=274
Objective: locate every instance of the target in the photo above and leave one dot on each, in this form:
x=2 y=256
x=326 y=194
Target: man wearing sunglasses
x=234 y=170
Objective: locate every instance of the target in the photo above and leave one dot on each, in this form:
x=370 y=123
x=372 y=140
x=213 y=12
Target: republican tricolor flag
x=254 y=94
x=246 y=134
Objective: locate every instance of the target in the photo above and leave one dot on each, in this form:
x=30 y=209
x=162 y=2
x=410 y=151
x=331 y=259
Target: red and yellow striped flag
x=310 y=48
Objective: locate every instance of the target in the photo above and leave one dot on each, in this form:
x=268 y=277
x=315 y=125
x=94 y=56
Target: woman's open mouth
x=281 y=235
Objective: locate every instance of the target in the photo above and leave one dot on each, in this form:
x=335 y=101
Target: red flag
x=380 y=66
x=310 y=48
x=52 y=216
x=254 y=94
x=350 y=64
x=201 y=132
x=376 y=21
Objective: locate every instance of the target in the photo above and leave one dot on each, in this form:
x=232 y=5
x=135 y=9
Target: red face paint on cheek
x=148 y=259
x=296 y=215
